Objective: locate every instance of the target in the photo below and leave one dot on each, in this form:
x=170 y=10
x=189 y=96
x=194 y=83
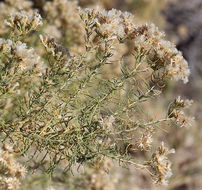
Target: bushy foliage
x=73 y=87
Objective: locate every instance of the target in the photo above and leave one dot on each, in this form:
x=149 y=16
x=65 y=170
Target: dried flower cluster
x=160 y=165
x=10 y=171
x=24 y=22
x=9 y=7
x=147 y=38
x=164 y=54
x=25 y=57
x=145 y=141
x=60 y=53
x=176 y=111
x=109 y=24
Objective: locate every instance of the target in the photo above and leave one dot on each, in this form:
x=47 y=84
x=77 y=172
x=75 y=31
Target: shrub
x=63 y=107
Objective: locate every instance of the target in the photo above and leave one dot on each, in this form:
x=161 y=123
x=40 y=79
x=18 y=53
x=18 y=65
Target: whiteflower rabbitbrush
x=58 y=108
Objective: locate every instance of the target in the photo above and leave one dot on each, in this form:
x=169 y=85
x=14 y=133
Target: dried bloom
x=23 y=22
x=59 y=52
x=178 y=68
x=176 y=111
x=145 y=141
x=178 y=103
x=160 y=165
x=9 y=183
x=183 y=103
x=10 y=171
x=161 y=54
x=111 y=27
x=182 y=120
x=9 y=7
x=28 y=59
x=109 y=24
